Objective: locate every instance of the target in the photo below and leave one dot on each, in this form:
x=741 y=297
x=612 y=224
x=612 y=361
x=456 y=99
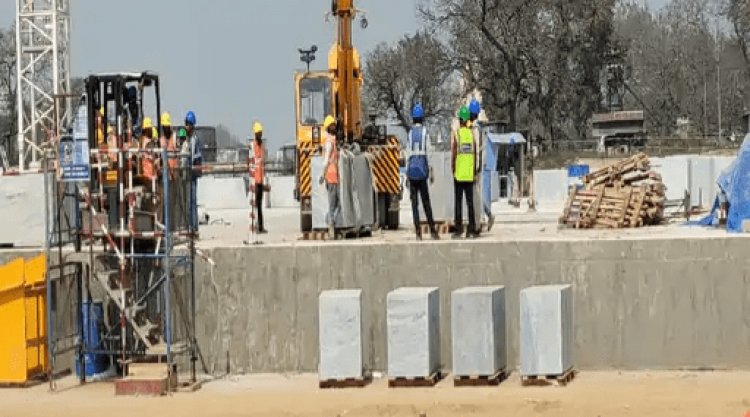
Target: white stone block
x=478 y=330
x=413 y=321
x=340 y=331
x=546 y=330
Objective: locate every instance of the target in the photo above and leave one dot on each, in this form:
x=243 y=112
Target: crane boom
x=343 y=63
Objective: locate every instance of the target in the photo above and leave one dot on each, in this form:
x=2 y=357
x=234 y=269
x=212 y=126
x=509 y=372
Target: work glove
x=321 y=180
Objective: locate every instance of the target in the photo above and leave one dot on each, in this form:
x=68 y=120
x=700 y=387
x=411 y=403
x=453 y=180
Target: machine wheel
x=305 y=222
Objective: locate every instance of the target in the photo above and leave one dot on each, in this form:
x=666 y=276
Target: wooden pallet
x=443 y=228
x=543 y=380
x=345 y=382
x=315 y=235
x=480 y=380
x=418 y=381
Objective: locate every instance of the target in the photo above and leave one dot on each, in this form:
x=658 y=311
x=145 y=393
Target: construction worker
x=258 y=171
x=463 y=164
x=196 y=161
x=474 y=109
x=148 y=162
x=418 y=171
x=168 y=141
x=331 y=173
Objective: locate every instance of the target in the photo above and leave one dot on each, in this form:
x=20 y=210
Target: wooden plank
x=345 y=382
x=403 y=382
x=541 y=380
x=480 y=380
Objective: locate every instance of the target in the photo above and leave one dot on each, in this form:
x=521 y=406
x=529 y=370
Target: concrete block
x=546 y=330
x=340 y=329
x=282 y=192
x=413 y=321
x=22 y=209
x=478 y=330
x=550 y=186
x=215 y=193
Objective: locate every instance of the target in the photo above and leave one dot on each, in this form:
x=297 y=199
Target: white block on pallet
x=546 y=330
x=340 y=334
x=413 y=321
x=478 y=330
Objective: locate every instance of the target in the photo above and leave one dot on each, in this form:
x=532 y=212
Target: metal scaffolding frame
x=133 y=239
x=42 y=72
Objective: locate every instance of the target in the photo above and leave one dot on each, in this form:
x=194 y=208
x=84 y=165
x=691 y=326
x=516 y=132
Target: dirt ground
x=597 y=394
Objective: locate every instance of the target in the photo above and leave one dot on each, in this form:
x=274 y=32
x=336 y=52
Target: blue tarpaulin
x=734 y=183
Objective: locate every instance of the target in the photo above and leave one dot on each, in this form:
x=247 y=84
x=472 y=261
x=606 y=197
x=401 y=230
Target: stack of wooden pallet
x=625 y=194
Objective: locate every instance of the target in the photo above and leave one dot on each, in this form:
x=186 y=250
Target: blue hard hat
x=475 y=107
x=190 y=118
x=417 y=112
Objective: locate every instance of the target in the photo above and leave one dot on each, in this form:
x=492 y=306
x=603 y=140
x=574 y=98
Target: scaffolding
x=122 y=233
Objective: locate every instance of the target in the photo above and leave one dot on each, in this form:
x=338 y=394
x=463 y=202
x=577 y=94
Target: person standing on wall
x=331 y=173
x=196 y=162
x=463 y=164
x=258 y=171
x=418 y=171
x=474 y=109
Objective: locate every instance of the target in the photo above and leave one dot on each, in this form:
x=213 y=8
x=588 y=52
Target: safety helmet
x=182 y=133
x=475 y=107
x=329 y=120
x=147 y=123
x=190 y=118
x=417 y=112
x=463 y=113
x=257 y=127
x=166 y=119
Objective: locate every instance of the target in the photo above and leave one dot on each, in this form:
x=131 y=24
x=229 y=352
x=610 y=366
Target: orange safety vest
x=171 y=144
x=332 y=170
x=148 y=166
x=258 y=168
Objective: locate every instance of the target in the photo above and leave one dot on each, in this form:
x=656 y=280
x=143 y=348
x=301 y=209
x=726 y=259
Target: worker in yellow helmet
x=331 y=173
x=168 y=141
x=463 y=161
x=257 y=169
x=148 y=166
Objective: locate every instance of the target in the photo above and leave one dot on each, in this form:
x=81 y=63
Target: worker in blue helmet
x=196 y=162
x=474 y=109
x=418 y=171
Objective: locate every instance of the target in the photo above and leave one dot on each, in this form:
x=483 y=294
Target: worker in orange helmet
x=258 y=171
x=331 y=173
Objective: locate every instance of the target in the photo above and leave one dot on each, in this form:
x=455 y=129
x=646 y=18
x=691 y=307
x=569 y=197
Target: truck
x=337 y=91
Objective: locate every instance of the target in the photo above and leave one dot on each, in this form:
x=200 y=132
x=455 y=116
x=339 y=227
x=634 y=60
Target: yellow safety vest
x=465 y=156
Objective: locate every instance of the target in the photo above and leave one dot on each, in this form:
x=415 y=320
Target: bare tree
x=7 y=80
x=416 y=69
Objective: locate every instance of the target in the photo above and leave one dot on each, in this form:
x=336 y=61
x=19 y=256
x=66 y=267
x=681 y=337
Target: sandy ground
x=604 y=394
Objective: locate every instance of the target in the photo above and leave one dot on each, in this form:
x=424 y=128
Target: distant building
x=618 y=130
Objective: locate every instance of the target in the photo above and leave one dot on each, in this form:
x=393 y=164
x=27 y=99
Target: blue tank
x=93 y=316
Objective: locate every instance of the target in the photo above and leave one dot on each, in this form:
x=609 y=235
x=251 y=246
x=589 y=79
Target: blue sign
x=74 y=155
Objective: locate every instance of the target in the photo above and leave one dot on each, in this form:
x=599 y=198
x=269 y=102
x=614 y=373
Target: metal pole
x=193 y=229
x=50 y=304
x=167 y=272
x=19 y=87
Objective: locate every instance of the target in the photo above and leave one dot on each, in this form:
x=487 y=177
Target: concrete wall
x=22 y=209
x=639 y=304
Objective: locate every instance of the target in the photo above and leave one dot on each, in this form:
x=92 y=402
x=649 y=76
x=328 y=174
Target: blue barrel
x=93 y=315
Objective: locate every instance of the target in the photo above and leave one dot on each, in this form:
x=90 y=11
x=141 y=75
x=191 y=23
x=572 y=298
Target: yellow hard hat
x=147 y=123
x=329 y=120
x=257 y=127
x=166 y=119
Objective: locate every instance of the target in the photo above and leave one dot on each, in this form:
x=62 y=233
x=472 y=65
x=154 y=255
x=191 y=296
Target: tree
x=416 y=69
x=7 y=81
x=532 y=60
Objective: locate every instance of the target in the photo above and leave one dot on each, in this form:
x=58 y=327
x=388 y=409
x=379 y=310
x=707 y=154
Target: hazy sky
x=231 y=61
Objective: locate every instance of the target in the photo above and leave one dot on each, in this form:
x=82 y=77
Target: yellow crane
x=337 y=91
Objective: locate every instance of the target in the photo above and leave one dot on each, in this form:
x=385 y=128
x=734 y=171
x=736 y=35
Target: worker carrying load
x=418 y=171
x=258 y=171
x=331 y=173
x=463 y=164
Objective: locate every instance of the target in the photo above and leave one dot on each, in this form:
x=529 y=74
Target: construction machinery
x=123 y=204
x=337 y=91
